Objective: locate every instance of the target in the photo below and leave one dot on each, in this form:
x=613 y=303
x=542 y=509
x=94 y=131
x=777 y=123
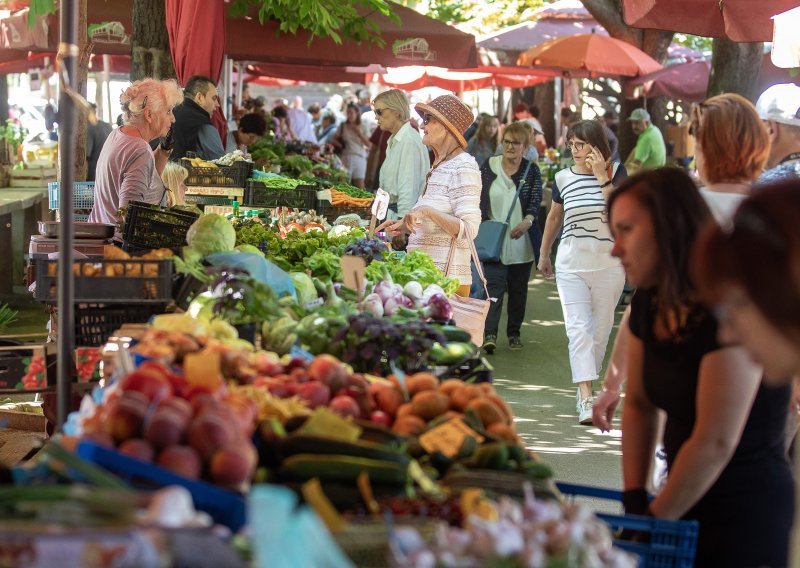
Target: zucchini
x=301 y=444
x=342 y=468
x=453 y=333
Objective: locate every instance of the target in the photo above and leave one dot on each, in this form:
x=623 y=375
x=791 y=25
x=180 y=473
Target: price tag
x=448 y=437
x=353 y=268
x=314 y=303
x=381 y=204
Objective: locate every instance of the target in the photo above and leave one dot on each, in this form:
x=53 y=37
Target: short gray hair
x=395 y=100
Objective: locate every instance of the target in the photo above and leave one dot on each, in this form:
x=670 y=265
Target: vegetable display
x=211 y=233
x=414 y=266
x=368 y=249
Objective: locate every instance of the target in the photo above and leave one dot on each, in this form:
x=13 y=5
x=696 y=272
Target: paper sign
x=380 y=205
x=353 y=268
x=447 y=438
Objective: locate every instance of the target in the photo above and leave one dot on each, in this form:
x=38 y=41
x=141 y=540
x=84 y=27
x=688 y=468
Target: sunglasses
x=426 y=119
x=379 y=111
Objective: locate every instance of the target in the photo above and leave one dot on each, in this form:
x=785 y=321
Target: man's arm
x=209 y=143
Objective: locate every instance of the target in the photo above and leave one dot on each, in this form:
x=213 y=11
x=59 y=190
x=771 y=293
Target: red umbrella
x=592 y=54
x=738 y=20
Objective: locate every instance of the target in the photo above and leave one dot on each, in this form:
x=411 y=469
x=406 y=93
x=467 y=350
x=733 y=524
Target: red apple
x=380 y=417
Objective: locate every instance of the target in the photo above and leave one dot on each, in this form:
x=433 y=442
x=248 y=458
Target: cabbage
x=304 y=287
x=249 y=248
x=211 y=233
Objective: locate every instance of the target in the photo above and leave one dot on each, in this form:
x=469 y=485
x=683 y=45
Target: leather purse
x=491 y=234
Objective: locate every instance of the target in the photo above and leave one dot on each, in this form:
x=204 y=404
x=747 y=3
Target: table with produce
x=270 y=400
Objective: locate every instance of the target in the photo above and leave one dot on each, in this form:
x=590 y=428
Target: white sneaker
x=585 y=412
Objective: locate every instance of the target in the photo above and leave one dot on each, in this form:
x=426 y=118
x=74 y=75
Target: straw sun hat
x=450 y=111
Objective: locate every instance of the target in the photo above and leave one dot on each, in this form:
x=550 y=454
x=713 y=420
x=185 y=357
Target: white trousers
x=588 y=300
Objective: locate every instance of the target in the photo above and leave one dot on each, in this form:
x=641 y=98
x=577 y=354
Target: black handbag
x=489 y=241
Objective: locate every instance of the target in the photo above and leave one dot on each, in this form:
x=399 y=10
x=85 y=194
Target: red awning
x=739 y=20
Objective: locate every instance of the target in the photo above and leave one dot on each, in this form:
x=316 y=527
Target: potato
x=419 y=382
x=429 y=404
x=488 y=411
x=461 y=397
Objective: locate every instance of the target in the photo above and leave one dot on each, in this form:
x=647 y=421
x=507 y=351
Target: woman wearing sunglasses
x=589 y=280
x=449 y=207
x=403 y=171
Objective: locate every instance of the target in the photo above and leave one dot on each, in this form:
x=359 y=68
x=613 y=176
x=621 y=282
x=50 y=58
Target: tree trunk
x=79 y=165
x=150 y=54
x=653 y=42
x=3 y=99
x=735 y=68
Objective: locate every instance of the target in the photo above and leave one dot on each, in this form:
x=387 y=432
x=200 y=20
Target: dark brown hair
x=678 y=213
x=355 y=107
x=592 y=132
x=760 y=252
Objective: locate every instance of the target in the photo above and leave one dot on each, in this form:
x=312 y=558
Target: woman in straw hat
x=449 y=207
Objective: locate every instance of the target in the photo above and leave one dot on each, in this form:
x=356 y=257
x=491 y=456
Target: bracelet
x=606 y=184
x=530 y=221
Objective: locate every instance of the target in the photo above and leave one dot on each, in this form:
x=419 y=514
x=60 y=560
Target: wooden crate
x=38 y=176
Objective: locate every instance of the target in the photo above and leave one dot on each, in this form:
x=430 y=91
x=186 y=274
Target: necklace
x=137 y=130
x=447 y=157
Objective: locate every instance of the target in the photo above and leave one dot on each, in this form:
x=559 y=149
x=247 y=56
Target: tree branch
x=609 y=14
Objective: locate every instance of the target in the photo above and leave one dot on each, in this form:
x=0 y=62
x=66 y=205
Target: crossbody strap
x=473 y=253
x=519 y=189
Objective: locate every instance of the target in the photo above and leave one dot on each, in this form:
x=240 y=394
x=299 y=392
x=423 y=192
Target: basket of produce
x=150 y=226
x=347 y=199
x=222 y=173
x=280 y=192
x=82 y=194
x=203 y=200
x=114 y=278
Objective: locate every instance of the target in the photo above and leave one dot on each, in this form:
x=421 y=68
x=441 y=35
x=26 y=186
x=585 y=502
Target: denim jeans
x=512 y=279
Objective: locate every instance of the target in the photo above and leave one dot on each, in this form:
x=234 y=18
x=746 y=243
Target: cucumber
x=453 y=333
x=492 y=456
x=342 y=468
x=300 y=444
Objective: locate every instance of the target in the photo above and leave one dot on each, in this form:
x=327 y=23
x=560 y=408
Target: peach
x=329 y=370
x=137 y=448
x=165 y=427
x=177 y=404
x=150 y=383
x=209 y=432
x=232 y=466
x=345 y=406
x=181 y=460
x=125 y=419
x=314 y=393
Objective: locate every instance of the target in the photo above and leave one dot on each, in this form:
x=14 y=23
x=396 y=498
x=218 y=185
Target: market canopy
x=414 y=40
x=738 y=20
x=683 y=81
x=412 y=78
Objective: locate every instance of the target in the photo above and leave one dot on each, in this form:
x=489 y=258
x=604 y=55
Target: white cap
x=780 y=103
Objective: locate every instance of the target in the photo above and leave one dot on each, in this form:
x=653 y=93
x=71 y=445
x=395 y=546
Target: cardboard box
x=680 y=139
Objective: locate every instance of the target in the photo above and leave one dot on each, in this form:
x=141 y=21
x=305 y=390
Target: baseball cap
x=780 y=103
x=639 y=114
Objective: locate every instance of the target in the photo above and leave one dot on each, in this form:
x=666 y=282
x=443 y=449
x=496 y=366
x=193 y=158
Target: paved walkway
x=536 y=381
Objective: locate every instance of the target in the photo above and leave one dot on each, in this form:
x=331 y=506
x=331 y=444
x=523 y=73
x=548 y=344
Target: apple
x=380 y=417
x=314 y=393
x=344 y=406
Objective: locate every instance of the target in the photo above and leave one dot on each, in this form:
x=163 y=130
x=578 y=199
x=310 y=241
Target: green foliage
x=13 y=134
x=7 y=315
x=702 y=44
x=483 y=17
x=323 y=18
x=39 y=8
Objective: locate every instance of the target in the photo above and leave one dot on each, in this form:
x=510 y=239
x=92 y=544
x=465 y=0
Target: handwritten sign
x=447 y=438
x=353 y=272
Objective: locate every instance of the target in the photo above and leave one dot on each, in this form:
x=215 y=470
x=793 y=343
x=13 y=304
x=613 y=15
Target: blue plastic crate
x=82 y=194
x=225 y=507
x=672 y=543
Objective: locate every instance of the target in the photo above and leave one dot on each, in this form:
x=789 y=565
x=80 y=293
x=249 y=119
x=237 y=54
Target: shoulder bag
x=491 y=234
x=470 y=313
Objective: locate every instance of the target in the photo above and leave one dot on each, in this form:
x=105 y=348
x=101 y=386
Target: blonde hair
x=173 y=177
x=521 y=130
x=733 y=139
x=395 y=100
x=149 y=94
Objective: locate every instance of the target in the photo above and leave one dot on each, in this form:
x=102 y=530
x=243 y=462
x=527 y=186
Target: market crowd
x=708 y=348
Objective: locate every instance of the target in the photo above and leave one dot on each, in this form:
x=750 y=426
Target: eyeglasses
x=144 y=103
x=576 y=146
x=379 y=111
x=512 y=143
x=426 y=118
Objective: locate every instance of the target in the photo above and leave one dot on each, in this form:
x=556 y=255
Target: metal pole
x=66 y=139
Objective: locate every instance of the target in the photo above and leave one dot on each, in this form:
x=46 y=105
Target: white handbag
x=470 y=313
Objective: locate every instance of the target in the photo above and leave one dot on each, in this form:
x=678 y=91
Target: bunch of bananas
x=198 y=162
